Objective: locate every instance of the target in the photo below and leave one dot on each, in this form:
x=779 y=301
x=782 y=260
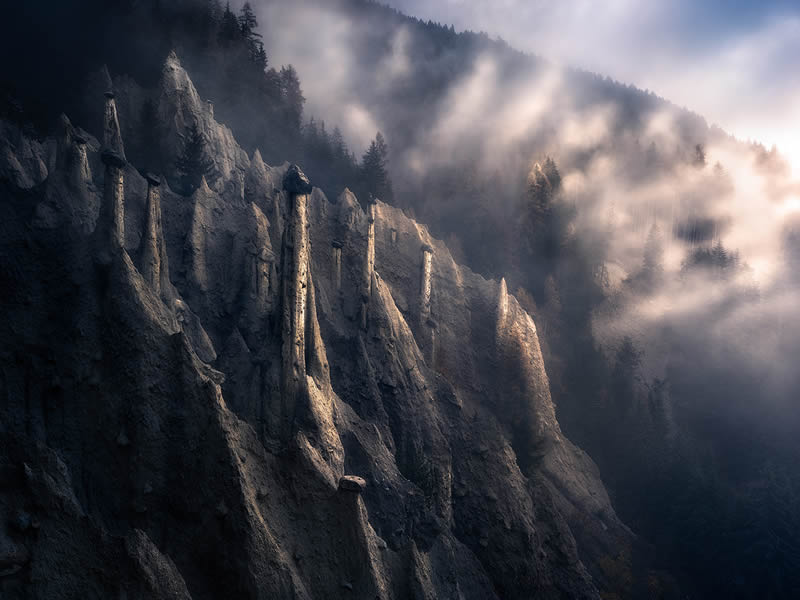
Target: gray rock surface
x=352 y=483
x=283 y=341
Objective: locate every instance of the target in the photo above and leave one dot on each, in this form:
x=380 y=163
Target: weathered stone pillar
x=210 y=105
x=112 y=211
x=155 y=264
x=80 y=172
x=112 y=137
x=336 y=260
x=430 y=354
x=71 y=154
x=65 y=136
x=425 y=284
x=393 y=237
x=369 y=263
x=295 y=272
x=502 y=307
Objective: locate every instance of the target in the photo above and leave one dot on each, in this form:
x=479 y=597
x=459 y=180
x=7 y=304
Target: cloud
x=736 y=66
x=328 y=69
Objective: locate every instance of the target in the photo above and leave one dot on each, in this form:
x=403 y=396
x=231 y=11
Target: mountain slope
x=186 y=381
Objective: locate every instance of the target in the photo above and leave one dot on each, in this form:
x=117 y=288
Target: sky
x=736 y=62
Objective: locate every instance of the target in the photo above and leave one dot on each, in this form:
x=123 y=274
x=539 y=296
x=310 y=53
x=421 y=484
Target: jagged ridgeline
x=256 y=392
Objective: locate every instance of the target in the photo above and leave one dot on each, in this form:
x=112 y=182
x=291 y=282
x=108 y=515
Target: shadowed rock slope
x=186 y=381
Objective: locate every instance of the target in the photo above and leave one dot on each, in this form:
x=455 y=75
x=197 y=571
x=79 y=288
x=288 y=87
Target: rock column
x=502 y=308
x=155 y=265
x=369 y=264
x=112 y=138
x=71 y=154
x=80 y=172
x=112 y=216
x=425 y=284
x=430 y=355
x=296 y=277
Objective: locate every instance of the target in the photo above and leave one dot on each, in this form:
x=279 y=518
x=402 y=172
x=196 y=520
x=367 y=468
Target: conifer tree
x=374 y=174
x=260 y=57
x=193 y=163
x=209 y=17
x=550 y=171
x=337 y=143
x=699 y=156
x=248 y=23
x=292 y=96
x=537 y=238
x=229 y=30
x=539 y=195
x=652 y=261
x=625 y=376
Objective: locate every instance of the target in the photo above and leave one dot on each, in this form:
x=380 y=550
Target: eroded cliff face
x=186 y=381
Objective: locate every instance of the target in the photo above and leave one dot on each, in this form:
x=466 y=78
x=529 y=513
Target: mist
x=624 y=174
x=699 y=55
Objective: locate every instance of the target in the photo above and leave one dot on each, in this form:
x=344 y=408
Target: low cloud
x=735 y=66
x=667 y=171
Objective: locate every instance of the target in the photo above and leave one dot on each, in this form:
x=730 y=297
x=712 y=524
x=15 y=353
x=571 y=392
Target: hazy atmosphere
x=343 y=298
x=733 y=62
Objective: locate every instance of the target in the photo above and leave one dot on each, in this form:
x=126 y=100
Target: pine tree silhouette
x=374 y=174
x=229 y=28
x=193 y=163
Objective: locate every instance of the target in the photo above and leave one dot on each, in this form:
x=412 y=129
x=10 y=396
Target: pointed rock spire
x=105 y=78
x=502 y=306
x=259 y=283
x=112 y=211
x=63 y=141
x=203 y=187
x=81 y=172
x=258 y=161
x=71 y=154
x=295 y=272
x=112 y=137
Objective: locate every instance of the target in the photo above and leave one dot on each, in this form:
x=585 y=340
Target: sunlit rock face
x=259 y=392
